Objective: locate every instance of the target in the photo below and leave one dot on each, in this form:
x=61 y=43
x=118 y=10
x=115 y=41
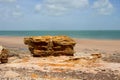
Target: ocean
x=87 y=34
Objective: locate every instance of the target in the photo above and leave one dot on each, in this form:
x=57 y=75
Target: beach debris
x=3 y=55
x=50 y=45
x=96 y=55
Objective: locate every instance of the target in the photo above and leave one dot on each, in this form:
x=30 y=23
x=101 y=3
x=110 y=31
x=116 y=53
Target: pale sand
x=17 y=42
x=81 y=44
x=97 y=45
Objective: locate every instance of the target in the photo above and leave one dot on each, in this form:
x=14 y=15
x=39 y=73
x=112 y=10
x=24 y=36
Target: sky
x=59 y=15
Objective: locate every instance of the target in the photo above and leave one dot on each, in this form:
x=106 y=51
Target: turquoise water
x=106 y=34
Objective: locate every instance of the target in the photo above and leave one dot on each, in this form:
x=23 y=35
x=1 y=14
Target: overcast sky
x=59 y=14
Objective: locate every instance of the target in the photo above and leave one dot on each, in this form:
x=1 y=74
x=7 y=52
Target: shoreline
x=82 y=38
x=66 y=35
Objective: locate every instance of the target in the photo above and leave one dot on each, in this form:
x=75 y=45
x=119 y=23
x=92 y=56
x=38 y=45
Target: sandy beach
x=20 y=63
x=105 y=47
x=81 y=44
x=12 y=41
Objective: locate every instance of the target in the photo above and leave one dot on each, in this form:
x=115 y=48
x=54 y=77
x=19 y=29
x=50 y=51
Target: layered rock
x=50 y=45
x=3 y=55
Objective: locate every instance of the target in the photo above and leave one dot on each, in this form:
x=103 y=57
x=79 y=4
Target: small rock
x=103 y=70
x=3 y=55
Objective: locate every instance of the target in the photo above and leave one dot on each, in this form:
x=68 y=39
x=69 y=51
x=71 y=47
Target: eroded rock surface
x=3 y=55
x=50 y=45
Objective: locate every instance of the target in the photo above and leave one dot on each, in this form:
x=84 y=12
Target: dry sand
x=82 y=44
x=54 y=68
x=12 y=41
x=104 y=45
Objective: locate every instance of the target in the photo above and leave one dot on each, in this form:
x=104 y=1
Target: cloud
x=37 y=7
x=17 y=13
x=10 y=10
x=59 y=7
x=103 y=7
x=55 y=7
x=52 y=9
x=7 y=0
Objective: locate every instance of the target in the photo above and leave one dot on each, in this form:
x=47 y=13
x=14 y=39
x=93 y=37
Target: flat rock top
x=58 y=39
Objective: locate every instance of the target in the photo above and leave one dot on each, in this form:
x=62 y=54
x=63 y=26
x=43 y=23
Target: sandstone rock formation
x=3 y=55
x=50 y=45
